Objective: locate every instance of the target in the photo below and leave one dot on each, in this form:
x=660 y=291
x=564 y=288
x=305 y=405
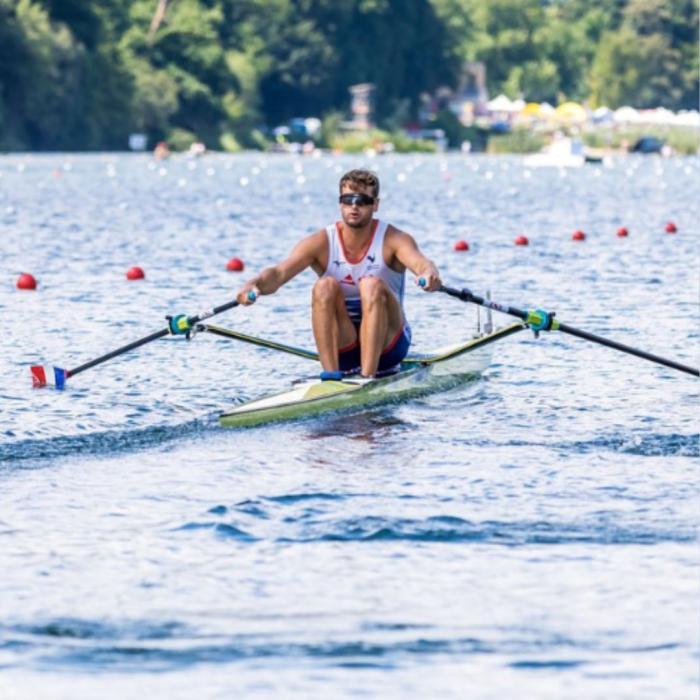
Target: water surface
x=531 y=532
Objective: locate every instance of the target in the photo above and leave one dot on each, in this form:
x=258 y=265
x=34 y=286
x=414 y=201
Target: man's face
x=358 y=211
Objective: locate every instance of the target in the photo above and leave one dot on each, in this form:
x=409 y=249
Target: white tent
x=602 y=115
x=690 y=118
x=656 y=116
x=503 y=104
x=626 y=115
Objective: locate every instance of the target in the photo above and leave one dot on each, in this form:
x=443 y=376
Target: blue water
x=531 y=534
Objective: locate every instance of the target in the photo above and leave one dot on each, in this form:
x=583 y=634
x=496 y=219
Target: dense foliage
x=83 y=74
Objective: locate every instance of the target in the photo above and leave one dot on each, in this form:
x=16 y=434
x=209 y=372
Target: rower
x=357 y=303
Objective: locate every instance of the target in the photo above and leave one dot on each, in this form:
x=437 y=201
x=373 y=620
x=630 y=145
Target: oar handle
x=542 y=320
x=467 y=295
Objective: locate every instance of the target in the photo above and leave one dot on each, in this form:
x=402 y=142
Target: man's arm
x=303 y=255
x=408 y=254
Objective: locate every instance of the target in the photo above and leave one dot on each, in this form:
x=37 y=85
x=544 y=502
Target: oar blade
x=39 y=376
x=45 y=375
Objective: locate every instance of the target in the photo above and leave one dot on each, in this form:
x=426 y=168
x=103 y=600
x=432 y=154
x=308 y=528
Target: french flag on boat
x=43 y=375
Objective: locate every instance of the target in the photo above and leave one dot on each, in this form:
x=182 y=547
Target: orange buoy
x=461 y=245
x=235 y=265
x=521 y=240
x=26 y=281
x=578 y=235
x=135 y=273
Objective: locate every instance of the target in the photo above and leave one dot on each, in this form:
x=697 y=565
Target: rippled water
x=531 y=534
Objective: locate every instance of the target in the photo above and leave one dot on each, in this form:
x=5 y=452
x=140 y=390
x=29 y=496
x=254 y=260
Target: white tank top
x=350 y=272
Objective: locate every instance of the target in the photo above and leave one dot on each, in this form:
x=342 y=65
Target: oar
x=181 y=324
x=260 y=342
x=541 y=320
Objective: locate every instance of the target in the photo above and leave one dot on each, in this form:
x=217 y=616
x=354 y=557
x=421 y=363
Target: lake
x=532 y=533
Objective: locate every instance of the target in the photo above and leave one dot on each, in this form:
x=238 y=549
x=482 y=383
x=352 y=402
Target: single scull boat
x=418 y=374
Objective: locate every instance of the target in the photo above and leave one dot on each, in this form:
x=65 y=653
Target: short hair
x=363 y=178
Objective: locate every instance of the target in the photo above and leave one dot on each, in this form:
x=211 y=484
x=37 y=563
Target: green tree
x=319 y=48
x=648 y=62
x=82 y=74
x=507 y=42
x=44 y=75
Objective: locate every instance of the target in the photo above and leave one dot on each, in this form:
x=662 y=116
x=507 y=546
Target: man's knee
x=325 y=290
x=373 y=290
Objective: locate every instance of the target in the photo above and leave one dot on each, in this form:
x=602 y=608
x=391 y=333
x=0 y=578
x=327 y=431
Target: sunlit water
x=531 y=534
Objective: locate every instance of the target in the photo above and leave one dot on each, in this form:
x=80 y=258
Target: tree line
x=83 y=74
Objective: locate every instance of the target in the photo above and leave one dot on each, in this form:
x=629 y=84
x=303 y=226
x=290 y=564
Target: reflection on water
x=365 y=425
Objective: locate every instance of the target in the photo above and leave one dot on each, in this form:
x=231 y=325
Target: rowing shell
x=419 y=374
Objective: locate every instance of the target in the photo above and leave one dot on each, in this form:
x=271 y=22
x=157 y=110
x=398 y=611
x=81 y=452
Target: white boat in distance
x=562 y=153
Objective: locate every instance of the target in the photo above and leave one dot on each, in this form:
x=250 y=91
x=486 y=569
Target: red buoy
x=578 y=236
x=671 y=227
x=461 y=245
x=521 y=240
x=235 y=265
x=135 y=273
x=26 y=281
x=622 y=232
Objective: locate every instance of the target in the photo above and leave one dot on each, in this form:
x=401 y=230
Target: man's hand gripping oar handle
x=177 y=325
x=540 y=320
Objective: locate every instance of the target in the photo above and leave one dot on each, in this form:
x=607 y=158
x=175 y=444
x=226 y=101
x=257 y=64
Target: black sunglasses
x=359 y=198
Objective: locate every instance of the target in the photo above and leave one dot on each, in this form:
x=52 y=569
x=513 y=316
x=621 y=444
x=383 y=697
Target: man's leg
x=381 y=321
x=332 y=326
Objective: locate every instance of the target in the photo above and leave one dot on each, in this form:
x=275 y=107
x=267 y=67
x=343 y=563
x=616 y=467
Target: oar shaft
x=192 y=320
x=626 y=348
x=213 y=312
x=260 y=342
x=466 y=295
x=118 y=351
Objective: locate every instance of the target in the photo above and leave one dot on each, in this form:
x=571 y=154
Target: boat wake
x=307 y=526
x=23 y=452
x=138 y=645
x=650 y=445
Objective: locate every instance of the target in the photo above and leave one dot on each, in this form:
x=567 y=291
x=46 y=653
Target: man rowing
x=357 y=303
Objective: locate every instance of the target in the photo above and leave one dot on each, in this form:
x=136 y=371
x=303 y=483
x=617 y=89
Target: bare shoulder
x=399 y=246
x=314 y=249
x=398 y=238
x=314 y=243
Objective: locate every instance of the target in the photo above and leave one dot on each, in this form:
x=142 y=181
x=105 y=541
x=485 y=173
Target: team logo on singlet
x=348 y=280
